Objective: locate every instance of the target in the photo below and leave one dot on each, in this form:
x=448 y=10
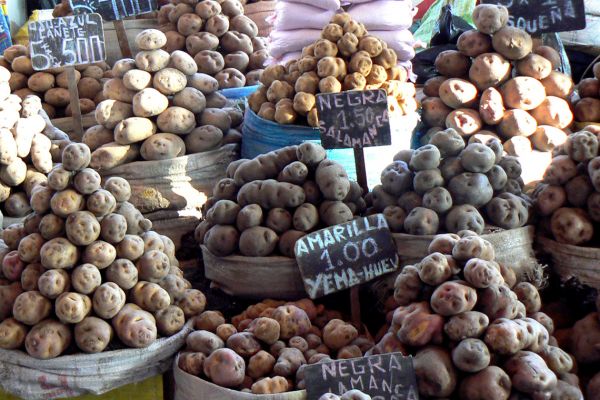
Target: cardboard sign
x=384 y=377
x=60 y=42
x=354 y=119
x=346 y=255
x=112 y=10
x=539 y=16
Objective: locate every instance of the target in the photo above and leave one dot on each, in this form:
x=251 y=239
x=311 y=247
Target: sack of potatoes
x=85 y=268
x=502 y=345
x=345 y=58
x=265 y=350
x=266 y=204
x=158 y=107
x=587 y=109
x=28 y=146
x=52 y=86
x=568 y=198
x=500 y=84
x=221 y=39
x=447 y=186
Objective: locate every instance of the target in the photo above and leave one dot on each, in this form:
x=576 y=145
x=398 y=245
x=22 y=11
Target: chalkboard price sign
x=384 y=377
x=346 y=255
x=112 y=10
x=60 y=42
x=540 y=16
x=354 y=119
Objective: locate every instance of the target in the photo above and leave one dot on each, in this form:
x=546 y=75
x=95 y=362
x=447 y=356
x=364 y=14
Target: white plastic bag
x=289 y=16
x=384 y=15
x=76 y=375
x=324 y=4
x=282 y=42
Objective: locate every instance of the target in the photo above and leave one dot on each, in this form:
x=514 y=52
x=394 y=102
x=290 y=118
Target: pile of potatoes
x=159 y=107
x=498 y=85
x=345 y=58
x=220 y=38
x=86 y=259
x=447 y=186
x=473 y=331
x=265 y=349
x=568 y=198
x=583 y=341
x=266 y=204
x=52 y=86
x=587 y=109
x=353 y=394
x=28 y=144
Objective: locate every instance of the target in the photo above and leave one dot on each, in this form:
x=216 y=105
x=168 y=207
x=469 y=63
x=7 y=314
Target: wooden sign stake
x=122 y=38
x=361 y=177
x=75 y=108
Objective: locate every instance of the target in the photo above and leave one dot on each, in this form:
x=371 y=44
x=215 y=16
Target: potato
x=473 y=43
x=41 y=82
x=523 y=92
x=192 y=302
x=110 y=112
x=225 y=368
x=465 y=121
x=108 y=300
x=152 y=60
x=13 y=174
x=529 y=373
x=30 y=276
x=434 y=362
x=93 y=335
x=162 y=146
x=535 y=66
x=48 y=339
x=59 y=253
x=86 y=278
x=549 y=54
x=31 y=307
x=558 y=84
x=258 y=242
x=491 y=383
x=72 y=308
x=488 y=70
x=457 y=93
x=571 y=226
x=452 y=64
x=29 y=248
x=512 y=43
x=135 y=327
x=517 y=123
x=12 y=334
x=170 y=320
x=587 y=109
x=489 y=18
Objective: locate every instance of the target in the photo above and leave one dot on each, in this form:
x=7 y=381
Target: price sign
x=384 y=377
x=60 y=42
x=346 y=255
x=354 y=119
x=539 y=16
x=112 y=10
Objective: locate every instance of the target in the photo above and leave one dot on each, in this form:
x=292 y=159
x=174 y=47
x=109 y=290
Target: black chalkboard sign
x=112 y=10
x=354 y=119
x=346 y=255
x=539 y=16
x=384 y=377
x=60 y=42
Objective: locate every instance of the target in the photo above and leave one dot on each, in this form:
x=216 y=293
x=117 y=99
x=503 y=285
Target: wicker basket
x=570 y=261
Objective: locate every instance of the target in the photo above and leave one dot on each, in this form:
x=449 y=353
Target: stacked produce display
x=588 y=108
x=447 y=186
x=568 y=199
x=159 y=107
x=87 y=268
x=473 y=331
x=497 y=85
x=52 y=86
x=221 y=39
x=266 y=204
x=28 y=143
x=345 y=58
x=264 y=349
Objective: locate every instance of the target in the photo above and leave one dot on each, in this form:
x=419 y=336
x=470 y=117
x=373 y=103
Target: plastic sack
x=5 y=39
x=282 y=42
x=402 y=41
x=384 y=15
x=289 y=16
x=430 y=21
x=333 y=5
x=449 y=27
x=76 y=375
